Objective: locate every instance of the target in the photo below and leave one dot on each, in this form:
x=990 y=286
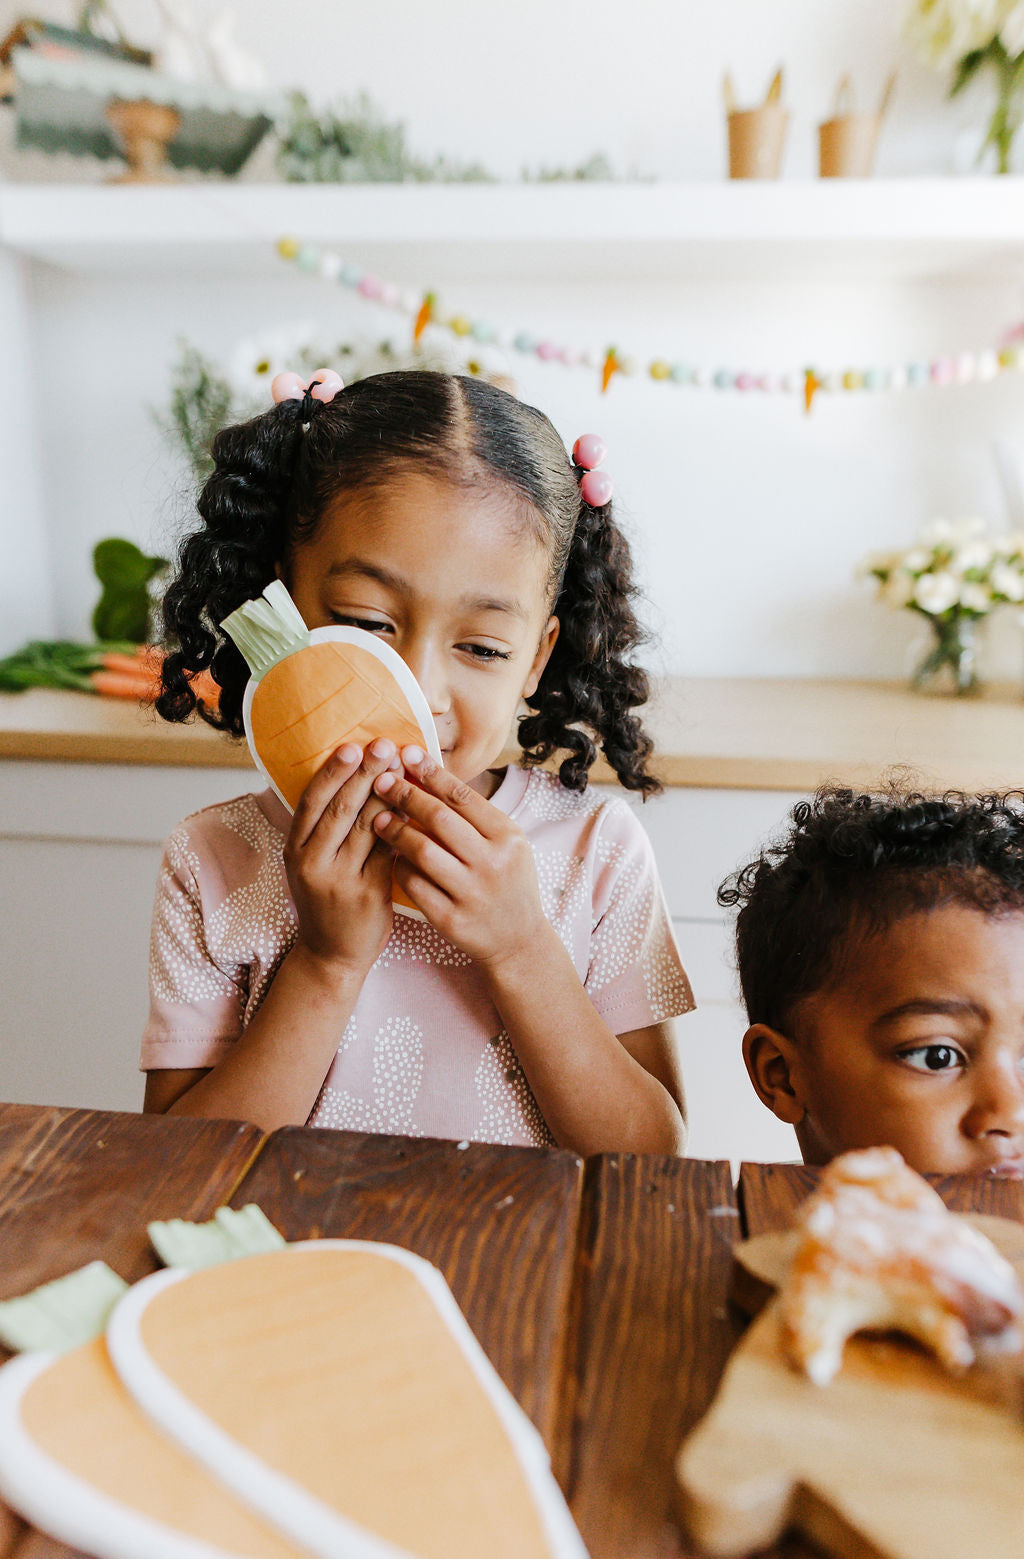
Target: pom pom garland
x=942 y=372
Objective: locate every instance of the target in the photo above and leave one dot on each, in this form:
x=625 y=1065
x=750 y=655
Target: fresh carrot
x=120 y=670
x=118 y=684
x=130 y=665
x=204 y=687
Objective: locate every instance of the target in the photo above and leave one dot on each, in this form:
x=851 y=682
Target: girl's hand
x=464 y=864
x=338 y=871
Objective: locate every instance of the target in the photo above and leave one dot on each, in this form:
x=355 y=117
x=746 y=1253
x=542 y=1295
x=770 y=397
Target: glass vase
x=950 y=664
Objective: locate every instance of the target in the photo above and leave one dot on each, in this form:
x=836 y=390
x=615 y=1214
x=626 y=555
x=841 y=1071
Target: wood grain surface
x=769 y=1195
x=499 y=1222
x=651 y=1334
x=36 y=1545
x=599 y=1292
x=13 y=1532
x=81 y=1185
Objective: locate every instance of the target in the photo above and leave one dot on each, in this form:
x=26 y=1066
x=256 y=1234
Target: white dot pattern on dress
x=619 y=938
x=180 y=968
x=668 y=989
x=417 y=941
x=398 y=1064
x=415 y=1058
x=510 y=1111
x=550 y=802
x=562 y=881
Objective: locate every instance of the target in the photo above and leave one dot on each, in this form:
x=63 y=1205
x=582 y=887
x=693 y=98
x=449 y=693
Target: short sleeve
x=195 y=1007
x=635 y=975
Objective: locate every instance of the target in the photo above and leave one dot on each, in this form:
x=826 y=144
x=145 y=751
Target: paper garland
x=1007 y=355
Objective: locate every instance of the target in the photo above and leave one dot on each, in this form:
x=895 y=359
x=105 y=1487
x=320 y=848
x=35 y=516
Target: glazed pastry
x=880 y=1252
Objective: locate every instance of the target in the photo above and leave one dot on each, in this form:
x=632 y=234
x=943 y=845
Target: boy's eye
x=932 y=1058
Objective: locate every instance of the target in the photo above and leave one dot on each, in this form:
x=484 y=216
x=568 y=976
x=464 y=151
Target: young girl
x=532 y=1004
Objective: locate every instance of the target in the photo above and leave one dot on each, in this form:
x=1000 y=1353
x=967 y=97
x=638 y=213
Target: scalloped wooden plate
x=81 y=1461
x=335 y=1386
x=895 y=1459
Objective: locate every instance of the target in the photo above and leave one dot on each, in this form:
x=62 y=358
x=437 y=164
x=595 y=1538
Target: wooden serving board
x=895 y=1459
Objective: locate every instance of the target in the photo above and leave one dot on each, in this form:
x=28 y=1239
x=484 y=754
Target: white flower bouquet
x=954 y=575
x=966 y=36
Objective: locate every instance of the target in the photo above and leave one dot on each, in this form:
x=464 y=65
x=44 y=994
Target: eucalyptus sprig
x=1006 y=116
x=969 y=36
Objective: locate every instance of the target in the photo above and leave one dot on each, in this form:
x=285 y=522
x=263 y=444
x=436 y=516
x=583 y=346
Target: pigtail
x=589 y=684
x=229 y=561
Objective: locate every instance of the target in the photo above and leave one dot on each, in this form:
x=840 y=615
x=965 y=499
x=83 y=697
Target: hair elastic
x=596 y=486
x=323 y=387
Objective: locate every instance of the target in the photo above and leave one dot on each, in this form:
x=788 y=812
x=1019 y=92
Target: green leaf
x=230 y=1233
x=124 y=606
x=63 y=1314
x=968 y=68
x=123 y=614
x=121 y=563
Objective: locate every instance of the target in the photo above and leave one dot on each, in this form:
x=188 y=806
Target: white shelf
x=854 y=228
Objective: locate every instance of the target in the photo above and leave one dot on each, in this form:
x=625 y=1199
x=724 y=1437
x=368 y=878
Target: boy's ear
x=543 y=655
x=769 y=1058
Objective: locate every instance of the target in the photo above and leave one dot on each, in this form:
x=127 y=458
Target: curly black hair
x=274 y=477
x=850 y=867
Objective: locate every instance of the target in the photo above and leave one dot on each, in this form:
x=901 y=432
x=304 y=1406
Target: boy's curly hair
x=850 y=867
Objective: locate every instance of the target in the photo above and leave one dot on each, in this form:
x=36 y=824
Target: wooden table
x=598 y=1289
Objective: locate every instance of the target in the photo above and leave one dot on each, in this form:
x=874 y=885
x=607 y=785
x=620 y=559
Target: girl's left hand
x=464 y=864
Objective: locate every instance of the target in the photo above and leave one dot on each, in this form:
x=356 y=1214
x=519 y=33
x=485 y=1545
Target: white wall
x=749 y=518
x=26 y=571
x=549 y=81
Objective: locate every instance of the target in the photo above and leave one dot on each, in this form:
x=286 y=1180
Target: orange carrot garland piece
x=423 y=318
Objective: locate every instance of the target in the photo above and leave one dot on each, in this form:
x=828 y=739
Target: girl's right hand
x=338 y=869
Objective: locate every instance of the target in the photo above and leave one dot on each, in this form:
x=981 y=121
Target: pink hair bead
x=287 y=386
x=370 y=287
x=943 y=370
x=547 y=351
x=588 y=451
x=327 y=383
x=596 y=488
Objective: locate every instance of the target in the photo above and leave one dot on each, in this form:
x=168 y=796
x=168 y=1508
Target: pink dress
x=424 y=1052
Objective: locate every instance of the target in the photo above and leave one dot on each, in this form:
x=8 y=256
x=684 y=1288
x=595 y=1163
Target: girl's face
x=455 y=581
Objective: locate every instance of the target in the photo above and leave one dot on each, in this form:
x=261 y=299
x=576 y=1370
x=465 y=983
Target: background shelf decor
x=899 y=228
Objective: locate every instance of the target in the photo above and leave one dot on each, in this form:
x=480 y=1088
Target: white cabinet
x=699 y=837
x=79 y=850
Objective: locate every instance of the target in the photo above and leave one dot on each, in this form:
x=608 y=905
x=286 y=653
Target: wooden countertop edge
x=800 y=735
x=707 y=771
x=177 y=748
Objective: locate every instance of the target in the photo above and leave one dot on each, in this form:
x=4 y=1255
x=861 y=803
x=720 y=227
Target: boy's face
x=918 y=1042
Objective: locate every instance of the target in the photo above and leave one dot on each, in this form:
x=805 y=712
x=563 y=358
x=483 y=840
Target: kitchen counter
x=710 y=732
